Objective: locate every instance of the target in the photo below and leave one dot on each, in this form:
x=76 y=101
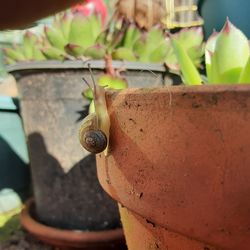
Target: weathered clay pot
x=180 y=166
x=64 y=177
x=68 y=239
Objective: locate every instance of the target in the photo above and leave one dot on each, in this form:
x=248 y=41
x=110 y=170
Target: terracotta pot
x=180 y=166
x=70 y=239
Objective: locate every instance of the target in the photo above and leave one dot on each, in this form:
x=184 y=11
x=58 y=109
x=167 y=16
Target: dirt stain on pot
x=132 y=120
x=196 y=105
x=127 y=104
x=150 y=222
x=140 y=195
x=157 y=246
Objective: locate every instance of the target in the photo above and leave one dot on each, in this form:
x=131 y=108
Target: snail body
x=94 y=131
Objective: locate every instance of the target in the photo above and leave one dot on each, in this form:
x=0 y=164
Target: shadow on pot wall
x=70 y=201
x=14 y=172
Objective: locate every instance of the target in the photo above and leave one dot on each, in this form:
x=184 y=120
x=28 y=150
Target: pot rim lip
x=80 y=64
x=69 y=237
x=182 y=89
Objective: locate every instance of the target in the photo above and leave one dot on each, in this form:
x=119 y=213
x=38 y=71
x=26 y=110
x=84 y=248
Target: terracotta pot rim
x=183 y=89
x=67 y=237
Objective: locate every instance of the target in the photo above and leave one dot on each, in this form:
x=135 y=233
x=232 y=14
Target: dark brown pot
x=69 y=240
x=180 y=166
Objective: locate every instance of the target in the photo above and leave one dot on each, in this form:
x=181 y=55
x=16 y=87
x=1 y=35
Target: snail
x=94 y=130
x=92 y=138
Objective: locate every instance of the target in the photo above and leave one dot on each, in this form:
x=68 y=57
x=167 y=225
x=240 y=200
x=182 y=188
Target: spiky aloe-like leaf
x=191 y=40
x=190 y=74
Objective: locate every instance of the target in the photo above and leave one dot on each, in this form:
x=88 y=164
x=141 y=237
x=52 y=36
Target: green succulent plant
x=126 y=49
x=106 y=81
x=227 y=58
x=79 y=37
x=192 y=41
x=151 y=46
x=154 y=46
x=69 y=37
x=29 y=50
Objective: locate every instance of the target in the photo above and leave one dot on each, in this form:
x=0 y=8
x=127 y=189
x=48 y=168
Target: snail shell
x=94 y=141
x=91 y=137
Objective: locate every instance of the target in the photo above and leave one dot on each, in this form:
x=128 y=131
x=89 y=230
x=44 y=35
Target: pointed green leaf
x=88 y=93
x=159 y=54
x=124 y=53
x=53 y=53
x=212 y=71
x=84 y=30
x=232 y=49
x=14 y=53
x=231 y=76
x=189 y=71
x=95 y=52
x=55 y=37
x=92 y=107
x=131 y=36
x=112 y=82
x=29 y=42
x=74 y=50
x=245 y=73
